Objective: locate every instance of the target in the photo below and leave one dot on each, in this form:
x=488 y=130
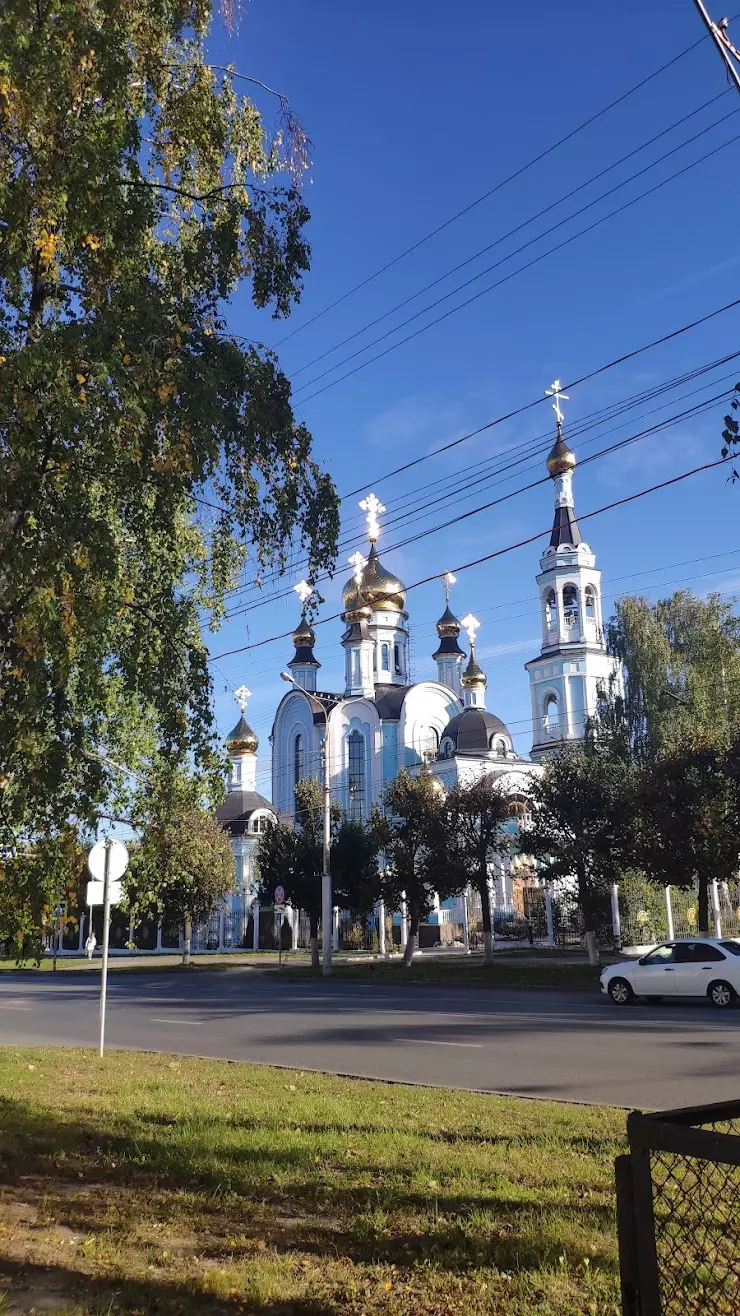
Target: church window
x=446 y=748
x=520 y=810
x=236 y=772
x=355 y=666
x=431 y=744
x=551 y=608
x=570 y=605
x=498 y=745
x=551 y=713
x=259 y=825
x=356 y=774
x=397 y=660
x=385 y=658
x=590 y=602
x=297 y=759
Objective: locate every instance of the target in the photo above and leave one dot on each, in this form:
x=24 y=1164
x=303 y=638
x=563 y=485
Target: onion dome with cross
x=378 y=587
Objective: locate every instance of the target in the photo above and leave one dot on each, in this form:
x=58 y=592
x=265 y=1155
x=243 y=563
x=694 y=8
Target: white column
x=335 y=928
x=81 y=940
x=221 y=921
x=715 y=910
x=256 y=925
x=669 y=913
x=159 y=935
x=380 y=915
x=404 y=921
x=616 y=921
x=549 y=916
x=466 y=924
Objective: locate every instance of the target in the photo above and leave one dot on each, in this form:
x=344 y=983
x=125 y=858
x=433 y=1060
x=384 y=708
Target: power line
x=572 y=192
x=501 y=552
x=492 y=191
x=573 y=237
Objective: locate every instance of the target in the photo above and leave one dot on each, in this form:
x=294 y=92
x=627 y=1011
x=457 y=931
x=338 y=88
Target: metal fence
x=678 y=1212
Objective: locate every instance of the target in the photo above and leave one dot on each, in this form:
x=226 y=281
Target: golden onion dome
x=356 y=606
x=304 y=636
x=561 y=458
x=473 y=678
x=379 y=588
x=242 y=740
x=448 y=625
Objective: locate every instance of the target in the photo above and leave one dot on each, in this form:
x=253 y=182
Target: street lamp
x=326 y=892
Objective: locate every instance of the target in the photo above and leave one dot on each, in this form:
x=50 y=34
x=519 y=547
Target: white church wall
x=294 y=717
x=361 y=716
x=427 y=708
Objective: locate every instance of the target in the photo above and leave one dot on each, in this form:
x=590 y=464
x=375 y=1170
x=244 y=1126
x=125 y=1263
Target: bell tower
x=573 y=665
x=449 y=656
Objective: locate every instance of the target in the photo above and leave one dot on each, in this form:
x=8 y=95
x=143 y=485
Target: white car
x=709 y=967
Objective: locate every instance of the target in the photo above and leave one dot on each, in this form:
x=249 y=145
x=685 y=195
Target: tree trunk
x=592 y=946
x=485 y=905
x=412 y=939
x=313 y=924
x=187 y=934
x=703 y=905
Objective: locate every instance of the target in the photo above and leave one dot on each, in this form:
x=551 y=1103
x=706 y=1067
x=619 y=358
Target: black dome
x=471 y=731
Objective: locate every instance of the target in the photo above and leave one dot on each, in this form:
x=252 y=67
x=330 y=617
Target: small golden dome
x=304 y=636
x=242 y=740
x=561 y=458
x=379 y=588
x=356 y=606
x=473 y=678
x=448 y=625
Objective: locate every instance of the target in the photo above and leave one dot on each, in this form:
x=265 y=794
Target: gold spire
x=561 y=459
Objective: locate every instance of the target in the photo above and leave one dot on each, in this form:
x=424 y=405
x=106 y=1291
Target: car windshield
x=658 y=956
x=732 y=946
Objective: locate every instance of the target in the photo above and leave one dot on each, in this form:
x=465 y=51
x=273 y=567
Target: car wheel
x=620 y=991
x=721 y=994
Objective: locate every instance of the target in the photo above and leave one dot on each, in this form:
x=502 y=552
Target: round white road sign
x=117 y=864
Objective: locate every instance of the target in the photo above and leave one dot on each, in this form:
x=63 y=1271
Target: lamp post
x=326 y=892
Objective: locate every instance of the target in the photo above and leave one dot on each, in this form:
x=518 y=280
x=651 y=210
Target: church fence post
x=335 y=928
x=466 y=923
x=380 y=915
x=131 y=936
x=159 y=935
x=404 y=921
x=616 y=920
x=669 y=913
x=549 y=917
x=221 y=921
x=81 y=942
x=256 y=925
x=715 y=909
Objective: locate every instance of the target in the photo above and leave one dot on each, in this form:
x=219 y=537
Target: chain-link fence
x=678 y=1212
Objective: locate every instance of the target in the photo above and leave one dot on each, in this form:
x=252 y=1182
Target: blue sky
x=414 y=110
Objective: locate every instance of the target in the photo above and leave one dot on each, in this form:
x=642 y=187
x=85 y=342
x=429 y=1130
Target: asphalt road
x=531 y=1042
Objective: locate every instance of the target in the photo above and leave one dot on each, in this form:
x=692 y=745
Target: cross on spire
x=358 y=564
x=471 y=625
x=304 y=591
x=449 y=580
x=241 y=696
x=556 y=392
x=372 y=506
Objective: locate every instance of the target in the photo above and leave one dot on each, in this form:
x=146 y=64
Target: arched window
x=430 y=744
x=570 y=605
x=446 y=749
x=236 y=772
x=385 y=658
x=259 y=824
x=356 y=774
x=499 y=746
x=551 y=608
x=589 y=599
x=397 y=660
x=520 y=810
x=552 y=717
x=297 y=759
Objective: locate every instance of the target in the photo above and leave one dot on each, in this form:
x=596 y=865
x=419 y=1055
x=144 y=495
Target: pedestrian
x=90 y=944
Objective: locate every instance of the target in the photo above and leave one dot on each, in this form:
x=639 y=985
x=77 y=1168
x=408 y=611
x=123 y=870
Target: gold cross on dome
x=556 y=392
x=449 y=581
x=303 y=590
x=241 y=696
x=372 y=506
x=358 y=564
x=471 y=625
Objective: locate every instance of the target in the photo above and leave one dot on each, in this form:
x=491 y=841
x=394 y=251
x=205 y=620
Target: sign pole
x=106 y=938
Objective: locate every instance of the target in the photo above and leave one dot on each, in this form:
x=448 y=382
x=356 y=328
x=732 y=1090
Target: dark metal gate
x=678 y=1212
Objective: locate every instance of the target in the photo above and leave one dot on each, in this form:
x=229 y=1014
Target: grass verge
x=151 y=1184
x=464 y=972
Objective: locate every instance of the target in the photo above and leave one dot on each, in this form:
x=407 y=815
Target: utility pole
x=326 y=892
x=718 y=32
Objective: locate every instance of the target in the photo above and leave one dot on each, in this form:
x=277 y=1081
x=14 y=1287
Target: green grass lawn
x=507 y=971
x=145 y=961
x=153 y=1184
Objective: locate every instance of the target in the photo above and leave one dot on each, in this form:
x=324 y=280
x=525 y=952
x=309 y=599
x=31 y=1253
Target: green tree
x=147 y=457
x=410 y=835
x=582 y=827
x=182 y=865
x=33 y=879
x=476 y=819
x=688 y=834
x=681 y=659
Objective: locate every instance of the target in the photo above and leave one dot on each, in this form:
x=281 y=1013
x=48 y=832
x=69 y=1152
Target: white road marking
x=191 y=1023
x=426 y=1041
